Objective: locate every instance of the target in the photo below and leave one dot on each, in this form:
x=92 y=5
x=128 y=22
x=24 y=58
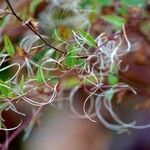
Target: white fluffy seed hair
x=78 y=19
x=109 y=54
x=67 y=4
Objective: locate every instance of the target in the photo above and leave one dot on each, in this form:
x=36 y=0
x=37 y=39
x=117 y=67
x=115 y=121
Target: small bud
x=32 y=23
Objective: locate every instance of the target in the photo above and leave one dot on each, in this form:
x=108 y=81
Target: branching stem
x=29 y=25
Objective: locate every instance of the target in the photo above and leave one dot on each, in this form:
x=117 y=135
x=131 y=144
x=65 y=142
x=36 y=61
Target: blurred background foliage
x=83 y=16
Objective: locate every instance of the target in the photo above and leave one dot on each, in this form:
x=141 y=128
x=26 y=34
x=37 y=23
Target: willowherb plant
x=39 y=71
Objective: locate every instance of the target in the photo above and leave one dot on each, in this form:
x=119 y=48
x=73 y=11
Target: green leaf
x=85 y=3
x=40 y=75
x=3 y=21
x=87 y=38
x=112 y=79
x=21 y=84
x=80 y=62
x=37 y=57
x=115 y=20
x=71 y=59
x=105 y=2
x=8 y=45
x=2 y=107
x=123 y=11
x=133 y=2
x=71 y=82
x=4 y=89
x=33 y=5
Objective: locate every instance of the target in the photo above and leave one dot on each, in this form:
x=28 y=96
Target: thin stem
x=16 y=133
x=30 y=26
x=22 y=127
